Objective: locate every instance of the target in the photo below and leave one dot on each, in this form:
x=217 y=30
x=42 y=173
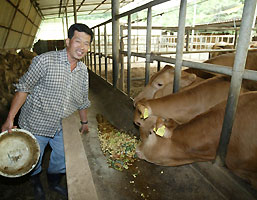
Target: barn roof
x=56 y=8
x=20 y=19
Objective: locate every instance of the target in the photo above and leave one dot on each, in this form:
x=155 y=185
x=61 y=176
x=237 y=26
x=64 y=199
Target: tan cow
x=198 y=139
x=160 y=80
x=220 y=46
x=185 y=105
x=228 y=60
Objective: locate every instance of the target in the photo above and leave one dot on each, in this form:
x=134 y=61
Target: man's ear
x=67 y=41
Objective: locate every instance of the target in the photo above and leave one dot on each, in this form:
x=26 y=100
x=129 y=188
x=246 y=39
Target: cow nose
x=137 y=123
x=139 y=154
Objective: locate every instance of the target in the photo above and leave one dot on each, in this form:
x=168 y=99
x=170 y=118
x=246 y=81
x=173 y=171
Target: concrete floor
x=143 y=180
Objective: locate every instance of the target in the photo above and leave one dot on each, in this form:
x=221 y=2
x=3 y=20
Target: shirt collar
x=64 y=57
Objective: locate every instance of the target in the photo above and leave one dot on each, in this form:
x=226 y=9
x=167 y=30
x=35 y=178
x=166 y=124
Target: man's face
x=78 y=45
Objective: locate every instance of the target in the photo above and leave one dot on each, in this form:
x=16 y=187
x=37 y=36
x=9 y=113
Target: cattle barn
x=133 y=67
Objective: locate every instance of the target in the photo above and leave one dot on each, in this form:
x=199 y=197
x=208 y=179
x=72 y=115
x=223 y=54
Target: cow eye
x=150 y=132
x=160 y=84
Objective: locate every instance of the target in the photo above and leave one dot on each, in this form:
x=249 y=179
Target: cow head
x=156 y=82
x=153 y=147
x=186 y=80
x=162 y=79
x=164 y=127
x=142 y=112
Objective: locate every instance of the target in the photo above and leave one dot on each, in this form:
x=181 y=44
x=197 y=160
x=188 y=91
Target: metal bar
x=148 y=44
x=121 y=79
x=248 y=74
x=180 y=44
x=158 y=65
x=140 y=8
x=105 y=52
x=235 y=40
x=145 y=6
x=81 y=5
x=197 y=51
x=63 y=29
x=67 y=22
x=187 y=40
x=94 y=52
x=237 y=75
x=129 y=56
x=97 y=6
x=75 y=11
x=115 y=42
x=189 y=28
x=60 y=8
x=99 y=51
x=91 y=59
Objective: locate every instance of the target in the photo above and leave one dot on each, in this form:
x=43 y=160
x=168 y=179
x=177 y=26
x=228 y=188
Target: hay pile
x=12 y=66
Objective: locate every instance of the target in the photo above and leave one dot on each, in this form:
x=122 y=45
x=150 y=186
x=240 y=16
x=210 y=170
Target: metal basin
x=19 y=153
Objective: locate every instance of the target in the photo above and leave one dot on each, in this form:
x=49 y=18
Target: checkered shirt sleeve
x=46 y=83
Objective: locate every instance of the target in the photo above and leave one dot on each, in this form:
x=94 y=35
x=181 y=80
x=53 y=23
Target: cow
x=185 y=105
x=160 y=80
x=167 y=143
x=228 y=60
x=220 y=46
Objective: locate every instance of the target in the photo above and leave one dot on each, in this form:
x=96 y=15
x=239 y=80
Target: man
x=55 y=85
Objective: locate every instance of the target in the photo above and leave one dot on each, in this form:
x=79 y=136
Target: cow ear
x=187 y=80
x=171 y=124
x=143 y=110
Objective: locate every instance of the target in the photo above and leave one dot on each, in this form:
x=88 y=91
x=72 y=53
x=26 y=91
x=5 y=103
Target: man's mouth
x=80 y=53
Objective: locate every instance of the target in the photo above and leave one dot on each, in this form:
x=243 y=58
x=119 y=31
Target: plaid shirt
x=54 y=92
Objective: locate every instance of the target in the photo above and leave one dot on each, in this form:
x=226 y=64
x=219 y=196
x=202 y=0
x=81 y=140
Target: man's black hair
x=80 y=28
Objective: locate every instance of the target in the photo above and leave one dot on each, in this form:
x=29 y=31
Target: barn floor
x=143 y=180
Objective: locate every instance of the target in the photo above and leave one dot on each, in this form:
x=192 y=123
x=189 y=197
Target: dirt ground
x=137 y=72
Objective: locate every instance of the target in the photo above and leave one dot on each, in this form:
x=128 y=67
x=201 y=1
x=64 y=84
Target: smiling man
x=55 y=85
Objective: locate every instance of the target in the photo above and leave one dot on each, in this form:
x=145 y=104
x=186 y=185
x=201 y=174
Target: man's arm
x=84 y=121
x=18 y=100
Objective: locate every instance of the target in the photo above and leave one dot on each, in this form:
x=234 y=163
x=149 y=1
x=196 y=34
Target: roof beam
x=98 y=6
x=60 y=8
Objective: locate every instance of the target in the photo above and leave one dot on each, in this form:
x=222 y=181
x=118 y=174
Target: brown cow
x=221 y=46
x=228 y=60
x=198 y=139
x=160 y=80
x=185 y=105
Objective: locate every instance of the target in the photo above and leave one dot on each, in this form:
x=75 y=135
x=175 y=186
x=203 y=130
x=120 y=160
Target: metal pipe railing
x=237 y=76
x=180 y=45
x=99 y=51
x=129 y=56
x=148 y=45
x=105 y=52
x=237 y=72
x=115 y=42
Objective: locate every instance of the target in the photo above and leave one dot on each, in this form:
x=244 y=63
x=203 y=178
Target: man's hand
x=8 y=125
x=84 y=129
